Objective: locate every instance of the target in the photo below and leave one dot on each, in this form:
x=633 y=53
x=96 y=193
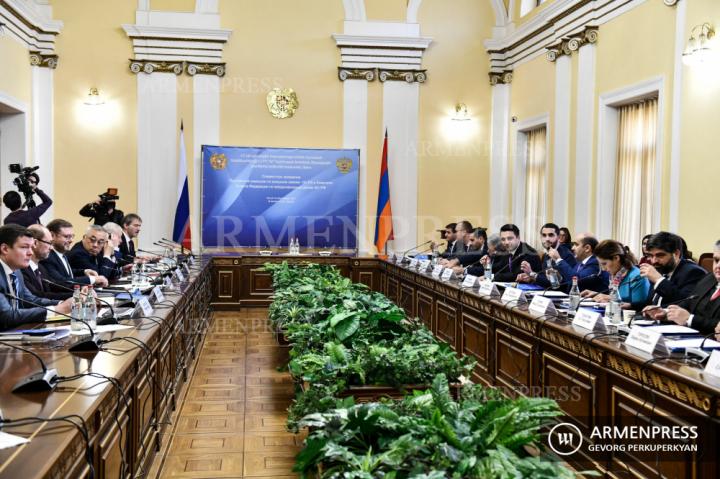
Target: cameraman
x=103 y=211
x=13 y=201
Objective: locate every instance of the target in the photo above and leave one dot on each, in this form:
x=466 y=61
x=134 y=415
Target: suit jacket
x=707 y=313
x=509 y=265
x=81 y=259
x=588 y=274
x=33 y=282
x=57 y=273
x=547 y=262
x=471 y=257
x=11 y=316
x=679 y=285
x=127 y=248
x=30 y=216
x=453 y=249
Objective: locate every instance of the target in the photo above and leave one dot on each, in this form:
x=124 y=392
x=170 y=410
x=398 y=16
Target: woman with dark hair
x=644 y=259
x=564 y=237
x=620 y=264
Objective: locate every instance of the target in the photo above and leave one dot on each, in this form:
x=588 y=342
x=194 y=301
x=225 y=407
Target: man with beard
x=35 y=275
x=57 y=264
x=672 y=277
x=554 y=250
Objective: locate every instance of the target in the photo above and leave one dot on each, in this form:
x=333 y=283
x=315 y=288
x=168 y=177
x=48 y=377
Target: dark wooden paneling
x=111 y=447
x=406 y=299
x=425 y=309
x=226 y=289
x=393 y=289
x=260 y=283
x=513 y=363
x=476 y=341
x=446 y=316
x=573 y=387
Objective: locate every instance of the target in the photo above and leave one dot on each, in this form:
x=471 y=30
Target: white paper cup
x=628 y=315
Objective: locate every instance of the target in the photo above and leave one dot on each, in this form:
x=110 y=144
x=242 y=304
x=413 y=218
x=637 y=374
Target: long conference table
x=597 y=381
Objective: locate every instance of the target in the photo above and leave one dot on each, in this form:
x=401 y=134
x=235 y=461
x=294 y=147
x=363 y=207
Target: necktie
x=38 y=275
x=14 y=282
x=716 y=295
x=66 y=264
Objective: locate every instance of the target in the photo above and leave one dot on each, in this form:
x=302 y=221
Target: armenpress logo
x=565 y=439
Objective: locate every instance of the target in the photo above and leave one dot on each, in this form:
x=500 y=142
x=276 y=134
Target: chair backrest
x=706 y=261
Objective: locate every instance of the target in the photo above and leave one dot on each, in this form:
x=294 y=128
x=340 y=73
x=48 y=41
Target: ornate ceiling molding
x=560 y=20
x=151 y=66
x=409 y=76
x=368 y=74
x=38 y=59
x=31 y=24
x=501 y=78
x=572 y=44
x=205 y=69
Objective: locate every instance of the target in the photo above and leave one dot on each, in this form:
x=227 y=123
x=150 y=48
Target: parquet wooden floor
x=232 y=422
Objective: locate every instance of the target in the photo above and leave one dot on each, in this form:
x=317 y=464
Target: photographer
x=13 y=201
x=103 y=210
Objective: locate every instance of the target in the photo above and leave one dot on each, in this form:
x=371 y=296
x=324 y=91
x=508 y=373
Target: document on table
x=672 y=329
x=11 y=440
x=105 y=328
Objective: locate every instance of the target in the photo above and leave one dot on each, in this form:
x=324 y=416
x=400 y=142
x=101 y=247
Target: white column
x=676 y=137
x=42 y=131
x=206 y=131
x=355 y=99
x=157 y=155
x=499 y=137
x=400 y=117
x=561 y=163
x=584 y=136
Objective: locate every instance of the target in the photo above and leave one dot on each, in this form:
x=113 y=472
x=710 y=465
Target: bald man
x=35 y=273
x=586 y=268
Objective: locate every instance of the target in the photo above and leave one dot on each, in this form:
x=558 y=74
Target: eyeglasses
x=43 y=241
x=94 y=240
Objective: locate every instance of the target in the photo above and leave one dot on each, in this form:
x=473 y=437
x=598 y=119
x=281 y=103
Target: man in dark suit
x=95 y=252
x=36 y=276
x=131 y=225
x=550 y=235
x=57 y=264
x=702 y=312
x=517 y=251
x=477 y=249
x=19 y=216
x=587 y=266
x=672 y=277
x=15 y=252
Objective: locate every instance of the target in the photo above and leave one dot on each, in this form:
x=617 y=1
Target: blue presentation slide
x=263 y=197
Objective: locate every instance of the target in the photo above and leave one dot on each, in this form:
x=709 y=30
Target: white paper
x=713 y=365
x=551 y=294
x=11 y=440
x=672 y=329
x=105 y=328
x=692 y=343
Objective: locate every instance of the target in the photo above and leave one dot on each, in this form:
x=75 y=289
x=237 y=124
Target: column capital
x=368 y=74
x=38 y=59
x=568 y=45
x=670 y=3
x=502 y=78
x=410 y=76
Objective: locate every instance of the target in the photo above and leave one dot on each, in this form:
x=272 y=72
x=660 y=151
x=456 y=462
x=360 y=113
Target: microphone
x=689 y=298
x=182 y=248
x=510 y=263
x=86 y=344
x=699 y=352
x=112 y=310
x=416 y=246
x=44 y=380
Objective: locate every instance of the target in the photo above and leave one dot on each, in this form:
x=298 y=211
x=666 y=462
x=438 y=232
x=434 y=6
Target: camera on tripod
x=108 y=196
x=22 y=181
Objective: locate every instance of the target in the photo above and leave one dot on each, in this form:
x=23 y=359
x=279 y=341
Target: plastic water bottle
x=574 y=295
x=487 y=269
x=90 y=308
x=297 y=245
x=76 y=310
x=613 y=310
x=135 y=277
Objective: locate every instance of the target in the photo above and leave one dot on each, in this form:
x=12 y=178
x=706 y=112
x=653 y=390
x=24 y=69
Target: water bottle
x=613 y=310
x=135 y=276
x=574 y=295
x=76 y=311
x=90 y=308
x=435 y=254
x=487 y=269
x=297 y=245
x=553 y=277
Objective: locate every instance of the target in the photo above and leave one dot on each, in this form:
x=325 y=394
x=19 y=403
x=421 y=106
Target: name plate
x=145 y=306
x=413 y=263
x=447 y=274
x=488 y=288
x=586 y=319
x=513 y=295
x=399 y=259
x=186 y=268
x=159 y=296
x=541 y=306
x=191 y=260
x=167 y=282
x=643 y=339
x=179 y=275
x=713 y=365
x=424 y=265
x=437 y=271
x=470 y=281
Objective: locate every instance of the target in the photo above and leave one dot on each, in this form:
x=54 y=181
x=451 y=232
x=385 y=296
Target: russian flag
x=383 y=222
x=181 y=228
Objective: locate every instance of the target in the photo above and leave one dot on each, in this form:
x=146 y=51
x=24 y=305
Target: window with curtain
x=535 y=162
x=635 y=172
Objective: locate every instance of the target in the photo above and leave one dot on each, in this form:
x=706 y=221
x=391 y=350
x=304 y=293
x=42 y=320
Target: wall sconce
x=697 y=51
x=461 y=113
x=94 y=98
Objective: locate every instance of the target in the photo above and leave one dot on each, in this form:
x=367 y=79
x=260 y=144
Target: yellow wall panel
x=16 y=76
x=173 y=5
x=386 y=10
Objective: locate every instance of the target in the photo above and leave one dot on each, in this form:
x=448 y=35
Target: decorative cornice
x=503 y=78
x=148 y=66
x=31 y=24
x=38 y=59
x=368 y=74
x=410 y=76
x=205 y=69
x=573 y=43
x=383 y=46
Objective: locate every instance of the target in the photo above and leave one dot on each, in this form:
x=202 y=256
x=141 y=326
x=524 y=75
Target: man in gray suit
x=17 y=303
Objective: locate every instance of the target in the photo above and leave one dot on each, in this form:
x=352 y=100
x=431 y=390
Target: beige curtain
x=535 y=184
x=635 y=173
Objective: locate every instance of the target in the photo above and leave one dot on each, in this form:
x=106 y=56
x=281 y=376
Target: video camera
x=22 y=181
x=108 y=196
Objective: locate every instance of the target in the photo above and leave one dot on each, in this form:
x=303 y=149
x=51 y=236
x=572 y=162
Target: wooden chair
x=706 y=261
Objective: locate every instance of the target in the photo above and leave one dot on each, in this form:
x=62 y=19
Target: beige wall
x=16 y=73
